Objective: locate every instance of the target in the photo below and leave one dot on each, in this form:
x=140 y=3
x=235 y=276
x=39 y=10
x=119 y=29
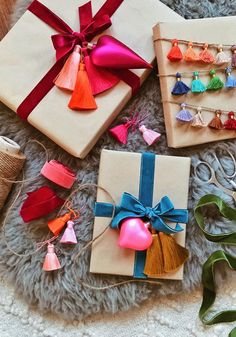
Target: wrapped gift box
x=27 y=54
x=121 y=172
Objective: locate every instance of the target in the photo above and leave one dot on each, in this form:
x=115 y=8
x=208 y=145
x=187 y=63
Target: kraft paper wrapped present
x=148 y=177
x=27 y=54
x=214 y=31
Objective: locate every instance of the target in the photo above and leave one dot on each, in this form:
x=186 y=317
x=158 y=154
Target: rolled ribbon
x=208 y=279
x=58 y=173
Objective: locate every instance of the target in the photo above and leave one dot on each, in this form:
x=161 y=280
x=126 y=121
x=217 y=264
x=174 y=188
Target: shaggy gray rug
x=60 y=292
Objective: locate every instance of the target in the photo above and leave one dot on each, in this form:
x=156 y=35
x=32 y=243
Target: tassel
x=69 y=234
x=230 y=124
x=175 y=53
x=197 y=85
x=184 y=115
x=174 y=255
x=205 y=56
x=149 y=136
x=216 y=123
x=56 y=225
x=120 y=132
x=221 y=57
x=215 y=82
x=190 y=55
x=180 y=87
x=154 y=263
x=198 y=121
x=82 y=97
x=230 y=80
x=51 y=261
x=233 y=61
x=67 y=77
x=99 y=78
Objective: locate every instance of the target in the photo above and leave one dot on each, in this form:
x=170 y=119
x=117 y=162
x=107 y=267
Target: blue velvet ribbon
x=141 y=207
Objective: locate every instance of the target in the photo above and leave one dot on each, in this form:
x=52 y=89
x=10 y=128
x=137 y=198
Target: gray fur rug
x=60 y=292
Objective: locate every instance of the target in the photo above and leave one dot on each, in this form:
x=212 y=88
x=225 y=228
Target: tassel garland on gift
x=198 y=121
x=82 y=97
x=230 y=124
x=180 y=87
x=216 y=122
x=56 y=225
x=215 y=82
x=51 y=261
x=69 y=236
x=67 y=77
x=190 y=55
x=175 y=53
x=149 y=136
x=205 y=56
x=233 y=61
x=197 y=86
x=221 y=57
x=230 y=80
x=184 y=115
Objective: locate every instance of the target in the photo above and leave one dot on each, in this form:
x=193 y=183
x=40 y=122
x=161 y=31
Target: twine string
x=190 y=73
x=195 y=43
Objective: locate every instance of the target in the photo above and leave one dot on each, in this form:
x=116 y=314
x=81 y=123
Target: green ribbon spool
x=209 y=288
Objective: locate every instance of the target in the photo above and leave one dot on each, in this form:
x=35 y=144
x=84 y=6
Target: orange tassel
x=56 y=225
x=190 y=55
x=205 y=56
x=67 y=77
x=82 y=97
x=175 y=53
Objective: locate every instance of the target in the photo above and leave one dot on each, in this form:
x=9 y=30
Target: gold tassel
x=154 y=264
x=174 y=255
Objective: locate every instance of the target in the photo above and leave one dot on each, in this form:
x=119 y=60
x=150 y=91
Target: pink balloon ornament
x=134 y=234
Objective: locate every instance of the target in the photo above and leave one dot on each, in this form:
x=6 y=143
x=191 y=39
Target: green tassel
x=197 y=86
x=215 y=82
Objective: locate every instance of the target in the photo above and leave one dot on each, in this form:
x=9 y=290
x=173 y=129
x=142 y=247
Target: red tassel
x=67 y=77
x=216 y=123
x=175 y=53
x=56 y=225
x=99 y=78
x=51 y=261
x=149 y=136
x=230 y=124
x=120 y=132
x=82 y=97
x=205 y=56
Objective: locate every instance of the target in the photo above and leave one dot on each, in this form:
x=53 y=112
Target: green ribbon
x=209 y=288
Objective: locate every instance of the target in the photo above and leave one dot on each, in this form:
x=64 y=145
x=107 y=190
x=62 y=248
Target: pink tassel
x=120 y=132
x=69 y=234
x=100 y=79
x=67 y=77
x=149 y=136
x=51 y=261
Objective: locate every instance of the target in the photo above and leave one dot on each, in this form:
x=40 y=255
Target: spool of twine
x=11 y=163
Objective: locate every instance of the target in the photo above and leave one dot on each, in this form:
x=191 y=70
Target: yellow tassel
x=174 y=255
x=154 y=264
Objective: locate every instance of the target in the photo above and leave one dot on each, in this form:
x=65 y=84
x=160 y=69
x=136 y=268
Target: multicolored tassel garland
x=230 y=124
x=184 y=115
x=216 y=122
x=82 y=97
x=233 y=61
x=197 y=86
x=67 y=77
x=221 y=58
x=180 y=87
x=175 y=53
x=230 y=80
x=190 y=55
x=215 y=82
x=69 y=236
x=205 y=56
x=197 y=121
x=51 y=261
x=149 y=136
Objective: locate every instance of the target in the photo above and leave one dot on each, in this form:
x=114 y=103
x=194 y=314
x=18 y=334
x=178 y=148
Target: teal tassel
x=197 y=85
x=215 y=82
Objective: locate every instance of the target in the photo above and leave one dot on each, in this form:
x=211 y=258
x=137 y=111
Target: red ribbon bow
x=65 y=41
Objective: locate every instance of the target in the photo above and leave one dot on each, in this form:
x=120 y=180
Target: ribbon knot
x=149 y=213
x=79 y=35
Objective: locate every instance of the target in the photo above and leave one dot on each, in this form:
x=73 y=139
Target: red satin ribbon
x=64 y=43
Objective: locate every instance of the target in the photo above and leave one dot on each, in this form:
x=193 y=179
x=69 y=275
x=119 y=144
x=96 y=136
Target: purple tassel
x=233 y=49
x=180 y=87
x=184 y=115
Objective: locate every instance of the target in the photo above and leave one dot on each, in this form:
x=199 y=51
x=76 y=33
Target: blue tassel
x=180 y=87
x=230 y=80
x=184 y=115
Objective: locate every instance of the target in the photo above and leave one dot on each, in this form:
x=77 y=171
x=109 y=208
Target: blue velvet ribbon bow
x=131 y=207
